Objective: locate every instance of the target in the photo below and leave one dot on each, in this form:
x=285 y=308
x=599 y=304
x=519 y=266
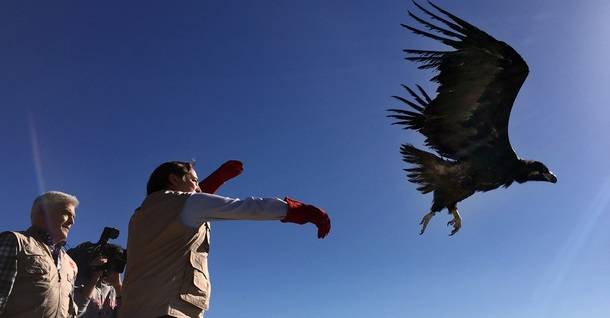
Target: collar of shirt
x=44 y=237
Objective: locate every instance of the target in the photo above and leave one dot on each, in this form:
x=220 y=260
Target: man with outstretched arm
x=169 y=237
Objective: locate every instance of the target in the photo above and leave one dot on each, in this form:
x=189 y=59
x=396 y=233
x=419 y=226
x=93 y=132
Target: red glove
x=227 y=171
x=301 y=213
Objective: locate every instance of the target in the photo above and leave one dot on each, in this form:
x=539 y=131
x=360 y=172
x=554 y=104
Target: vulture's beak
x=550 y=177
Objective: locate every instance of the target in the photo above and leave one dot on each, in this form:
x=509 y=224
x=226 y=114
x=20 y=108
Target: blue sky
x=101 y=93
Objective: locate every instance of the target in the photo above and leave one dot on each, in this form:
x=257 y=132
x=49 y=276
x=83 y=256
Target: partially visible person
x=98 y=288
x=169 y=238
x=36 y=274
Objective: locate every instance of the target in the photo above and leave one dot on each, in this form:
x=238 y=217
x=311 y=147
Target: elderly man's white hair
x=52 y=198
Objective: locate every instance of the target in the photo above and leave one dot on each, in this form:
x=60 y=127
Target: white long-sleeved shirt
x=203 y=207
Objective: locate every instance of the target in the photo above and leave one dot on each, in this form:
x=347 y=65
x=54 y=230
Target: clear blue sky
x=297 y=90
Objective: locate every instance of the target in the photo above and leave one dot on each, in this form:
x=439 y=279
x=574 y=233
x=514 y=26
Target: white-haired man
x=36 y=274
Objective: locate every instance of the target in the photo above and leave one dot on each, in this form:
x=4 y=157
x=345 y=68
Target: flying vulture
x=467 y=122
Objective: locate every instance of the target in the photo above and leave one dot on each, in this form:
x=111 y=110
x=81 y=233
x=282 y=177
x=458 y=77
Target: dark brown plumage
x=467 y=122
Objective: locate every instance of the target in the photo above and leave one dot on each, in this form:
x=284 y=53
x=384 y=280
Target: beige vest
x=40 y=290
x=167 y=262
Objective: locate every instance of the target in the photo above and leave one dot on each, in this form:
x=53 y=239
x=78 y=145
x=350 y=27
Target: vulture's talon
x=456 y=222
x=424 y=222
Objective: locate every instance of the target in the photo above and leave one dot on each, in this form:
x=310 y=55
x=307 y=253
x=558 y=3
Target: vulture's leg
x=424 y=221
x=457 y=220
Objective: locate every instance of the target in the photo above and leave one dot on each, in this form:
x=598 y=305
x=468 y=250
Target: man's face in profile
x=60 y=219
x=188 y=183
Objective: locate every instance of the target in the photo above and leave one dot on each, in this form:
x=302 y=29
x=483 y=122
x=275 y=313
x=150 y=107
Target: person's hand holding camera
x=114 y=279
x=96 y=276
x=96 y=272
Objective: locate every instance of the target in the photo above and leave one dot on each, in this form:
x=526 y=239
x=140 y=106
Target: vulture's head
x=534 y=171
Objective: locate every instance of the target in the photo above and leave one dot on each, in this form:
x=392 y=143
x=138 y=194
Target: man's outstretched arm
x=202 y=207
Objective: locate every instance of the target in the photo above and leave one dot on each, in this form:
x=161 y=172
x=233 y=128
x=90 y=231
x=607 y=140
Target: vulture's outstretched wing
x=478 y=83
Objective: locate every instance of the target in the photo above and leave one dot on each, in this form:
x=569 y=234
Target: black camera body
x=116 y=255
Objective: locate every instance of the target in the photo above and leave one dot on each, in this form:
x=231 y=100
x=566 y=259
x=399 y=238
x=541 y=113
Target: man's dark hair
x=159 y=179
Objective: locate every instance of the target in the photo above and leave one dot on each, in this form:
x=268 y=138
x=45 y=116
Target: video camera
x=116 y=255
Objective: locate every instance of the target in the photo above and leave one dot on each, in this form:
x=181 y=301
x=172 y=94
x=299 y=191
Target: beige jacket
x=167 y=272
x=41 y=290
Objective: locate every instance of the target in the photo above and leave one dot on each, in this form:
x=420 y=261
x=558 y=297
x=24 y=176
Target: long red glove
x=225 y=172
x=301 y=213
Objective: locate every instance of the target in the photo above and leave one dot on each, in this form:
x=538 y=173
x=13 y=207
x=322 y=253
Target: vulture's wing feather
x=478 y=83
